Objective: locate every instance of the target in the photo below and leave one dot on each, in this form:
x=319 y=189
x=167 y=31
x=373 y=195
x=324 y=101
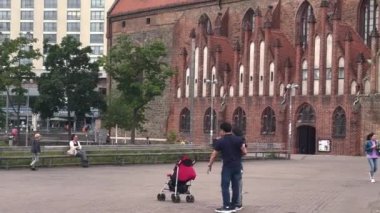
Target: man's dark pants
x=233 y=176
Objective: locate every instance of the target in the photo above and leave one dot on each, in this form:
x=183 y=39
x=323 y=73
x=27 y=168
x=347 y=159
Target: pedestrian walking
x=36 y=150
x=148 y=141
x=371 y=149
x=231 y=148
x=108 y=139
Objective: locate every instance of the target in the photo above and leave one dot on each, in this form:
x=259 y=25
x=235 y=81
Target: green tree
x=70 y=82
x=140 y=73
x=16 y=64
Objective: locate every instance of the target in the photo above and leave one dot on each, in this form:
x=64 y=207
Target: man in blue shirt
x=231 y=148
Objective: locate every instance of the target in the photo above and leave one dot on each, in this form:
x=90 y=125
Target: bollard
x=10 y=140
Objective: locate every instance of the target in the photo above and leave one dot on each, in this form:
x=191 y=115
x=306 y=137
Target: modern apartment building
x=54 y=19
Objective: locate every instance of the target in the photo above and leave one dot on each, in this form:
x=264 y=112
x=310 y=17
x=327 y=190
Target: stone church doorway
x=306 y=140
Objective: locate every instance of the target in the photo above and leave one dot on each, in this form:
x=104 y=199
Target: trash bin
x=10 y=140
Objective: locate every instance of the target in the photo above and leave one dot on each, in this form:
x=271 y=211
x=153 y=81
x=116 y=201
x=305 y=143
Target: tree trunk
x=133 y=130
x=18 y=123
x=69 y=124
x=17 y=140
x=133 y=135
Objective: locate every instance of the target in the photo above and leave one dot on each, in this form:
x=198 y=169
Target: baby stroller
x=180 y=181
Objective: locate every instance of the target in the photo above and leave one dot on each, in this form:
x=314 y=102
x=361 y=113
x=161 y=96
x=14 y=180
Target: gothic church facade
x=292 y=74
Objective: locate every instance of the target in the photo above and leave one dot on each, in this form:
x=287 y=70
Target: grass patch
x=2 y=143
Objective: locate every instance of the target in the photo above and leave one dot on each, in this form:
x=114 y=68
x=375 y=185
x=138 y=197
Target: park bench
x=263 y=150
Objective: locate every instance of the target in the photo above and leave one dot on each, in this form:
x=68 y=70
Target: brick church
x=297 y=74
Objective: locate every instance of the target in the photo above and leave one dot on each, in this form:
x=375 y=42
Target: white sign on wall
x=324 y=145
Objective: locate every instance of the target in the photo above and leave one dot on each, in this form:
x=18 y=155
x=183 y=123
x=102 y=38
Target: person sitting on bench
x=77 y=151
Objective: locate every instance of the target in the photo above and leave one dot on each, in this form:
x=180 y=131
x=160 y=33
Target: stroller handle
x=180 y=162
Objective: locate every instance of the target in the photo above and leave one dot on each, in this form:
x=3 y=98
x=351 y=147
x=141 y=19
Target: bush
x=2 y=143
x=171 y=137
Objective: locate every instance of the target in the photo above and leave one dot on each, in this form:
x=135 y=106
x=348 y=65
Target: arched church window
x=306 y=114
x=205 y=23
x=239 y=119
x=317 y=54
x=339 y=123
x=341 y=68
x=268 y=121
x=249 y=20
x=261 y=68
x=368 y=19
x=306 y=11
x=329 y=56
x=184 y=120
x=241 y=81
x=207 y=121
x=341 y=76
x=187 y=83
x=304 y=77
x=334 y=10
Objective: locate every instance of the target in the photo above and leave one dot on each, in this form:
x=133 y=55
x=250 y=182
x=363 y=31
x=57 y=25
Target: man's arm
x=212 y=159
x=243 y=149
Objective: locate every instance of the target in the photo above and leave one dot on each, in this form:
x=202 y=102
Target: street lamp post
x=27 y=86
x=27 y=119
x=212 y=95
x=7 y=112
x=290 y=88
x=191 y=85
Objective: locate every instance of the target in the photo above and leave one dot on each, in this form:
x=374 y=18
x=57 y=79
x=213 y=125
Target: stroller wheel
x=161 y=197
x=190 y=198
x=176 y=198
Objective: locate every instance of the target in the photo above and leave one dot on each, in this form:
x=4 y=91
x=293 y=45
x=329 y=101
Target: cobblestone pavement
x=305 y=184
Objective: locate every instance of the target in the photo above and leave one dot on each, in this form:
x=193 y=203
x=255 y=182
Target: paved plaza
x=305 y=184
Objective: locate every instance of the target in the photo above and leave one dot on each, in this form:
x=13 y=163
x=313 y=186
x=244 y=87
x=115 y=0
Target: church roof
x=129 y=6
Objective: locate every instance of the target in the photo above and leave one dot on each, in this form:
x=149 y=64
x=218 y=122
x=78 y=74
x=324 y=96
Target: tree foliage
x=140 y=73
x=16 y=64
x=70 y=80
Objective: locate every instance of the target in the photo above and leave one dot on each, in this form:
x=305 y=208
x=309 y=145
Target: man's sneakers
x=225 y=209
x=229 y=209
x=238 y=208
x=373 y=180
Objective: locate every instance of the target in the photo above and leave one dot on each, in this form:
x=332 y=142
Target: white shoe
x=238 y=208
x=373 y=180
x=370 y=176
